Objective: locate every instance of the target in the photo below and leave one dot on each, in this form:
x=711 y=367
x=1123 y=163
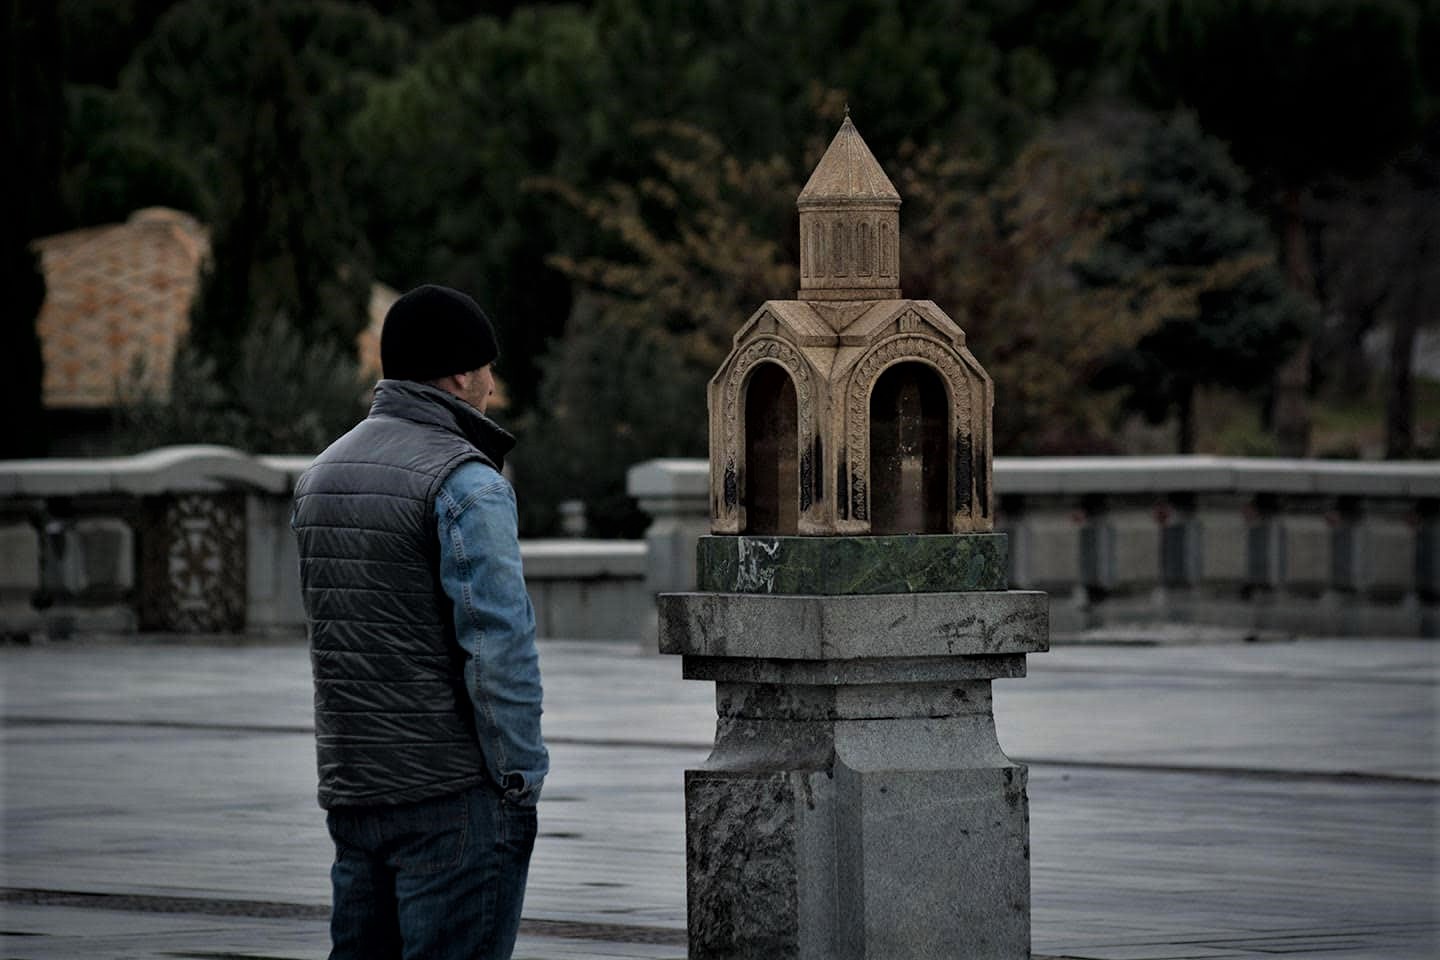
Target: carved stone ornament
x=193 y=555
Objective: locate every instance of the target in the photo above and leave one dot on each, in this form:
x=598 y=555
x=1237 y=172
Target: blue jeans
x=441 y=878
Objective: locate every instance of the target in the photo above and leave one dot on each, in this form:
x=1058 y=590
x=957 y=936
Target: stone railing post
x=155 y=541
x=676 y=496
x=20 y=559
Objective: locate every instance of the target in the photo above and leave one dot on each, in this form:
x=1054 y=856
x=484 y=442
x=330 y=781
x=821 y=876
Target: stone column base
x=857 y=803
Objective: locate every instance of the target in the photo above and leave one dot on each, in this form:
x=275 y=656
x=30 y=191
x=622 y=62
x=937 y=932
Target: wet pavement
x=1209 y=801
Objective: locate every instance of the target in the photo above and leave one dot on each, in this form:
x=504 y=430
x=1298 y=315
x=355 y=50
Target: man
x=422 y=639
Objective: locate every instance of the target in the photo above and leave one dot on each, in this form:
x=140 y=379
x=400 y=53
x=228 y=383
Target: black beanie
x=434 y=331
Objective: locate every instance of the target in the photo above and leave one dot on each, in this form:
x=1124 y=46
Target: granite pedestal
x=857 y=803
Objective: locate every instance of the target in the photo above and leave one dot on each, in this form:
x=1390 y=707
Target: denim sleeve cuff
x=520 y=791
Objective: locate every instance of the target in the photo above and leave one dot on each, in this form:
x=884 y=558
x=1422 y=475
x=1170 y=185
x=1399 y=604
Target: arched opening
x=909 y=466
x=772 y=473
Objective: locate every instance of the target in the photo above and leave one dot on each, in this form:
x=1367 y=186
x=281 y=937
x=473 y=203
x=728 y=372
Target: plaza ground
x=1208 y=801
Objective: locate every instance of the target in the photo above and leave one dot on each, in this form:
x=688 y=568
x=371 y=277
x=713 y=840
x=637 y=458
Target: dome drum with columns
x=850 y=410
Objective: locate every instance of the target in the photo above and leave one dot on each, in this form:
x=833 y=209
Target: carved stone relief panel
x=849 y=249
x=193 y=563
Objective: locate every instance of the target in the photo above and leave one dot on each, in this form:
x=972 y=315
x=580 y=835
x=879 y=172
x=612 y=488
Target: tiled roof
x=117 y=302
x=117 y=298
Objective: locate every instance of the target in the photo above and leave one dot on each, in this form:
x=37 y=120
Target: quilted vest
x=393 y=721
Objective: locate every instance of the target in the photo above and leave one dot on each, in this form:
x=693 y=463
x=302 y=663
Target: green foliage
x=202 y=67
x=691 y=263
x=282 y=395
x=661 y=306
x=917 y=71
x=1181 y=216
x=1300 y=89
x=556 y=91
x=249 y=96
x=256 y=91
x=425 y=19
x=273 y=249
x=999 y=250
x=442 y=153
x=116 y=161
x=614 y=181
x=614 y=394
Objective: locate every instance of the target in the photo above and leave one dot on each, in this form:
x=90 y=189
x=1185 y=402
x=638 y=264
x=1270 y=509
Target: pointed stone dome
x=849 y=225
x=848 y=173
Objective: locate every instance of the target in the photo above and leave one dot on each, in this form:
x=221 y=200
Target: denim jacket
x=494 y=624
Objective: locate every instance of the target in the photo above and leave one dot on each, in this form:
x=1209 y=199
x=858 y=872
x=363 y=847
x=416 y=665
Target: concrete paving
x=1234 y=801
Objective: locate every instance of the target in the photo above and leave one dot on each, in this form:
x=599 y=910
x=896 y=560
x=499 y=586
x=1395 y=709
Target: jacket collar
x=422 y=403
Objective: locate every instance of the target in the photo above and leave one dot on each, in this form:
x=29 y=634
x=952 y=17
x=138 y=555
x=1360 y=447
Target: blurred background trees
x=1299 y=90
x=1139 y=211
x=1180 y=223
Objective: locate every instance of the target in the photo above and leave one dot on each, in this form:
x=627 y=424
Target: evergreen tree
x=1182 y=217
x=116 y=161
x=258 y=91
x=654 y=319
x=1002 y=251
x=1299 y=89
x=445 y=152
x=253 y=94
x=280 y=241
x=284 y=395
x=921 y=72
x=1379 y=272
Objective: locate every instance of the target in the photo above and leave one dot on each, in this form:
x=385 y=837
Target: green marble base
x=850 y=565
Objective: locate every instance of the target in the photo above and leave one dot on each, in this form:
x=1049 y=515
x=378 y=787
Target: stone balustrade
x=1258 y=546
x=196 y=539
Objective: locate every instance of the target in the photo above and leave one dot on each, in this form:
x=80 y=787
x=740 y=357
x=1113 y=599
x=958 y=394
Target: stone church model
x=850 y=410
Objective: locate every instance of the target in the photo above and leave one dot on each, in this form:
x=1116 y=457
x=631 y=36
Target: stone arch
x=765 y=350
x=947 y=364
x=770 y=481
x=911 y=489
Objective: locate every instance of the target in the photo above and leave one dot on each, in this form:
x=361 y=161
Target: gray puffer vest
x=393 y=722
